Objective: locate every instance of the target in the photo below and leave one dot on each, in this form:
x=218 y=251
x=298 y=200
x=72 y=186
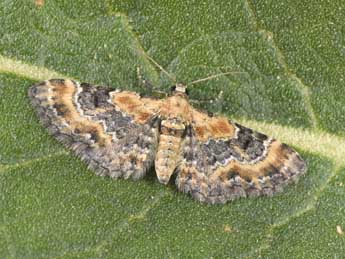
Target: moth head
x=179 y=89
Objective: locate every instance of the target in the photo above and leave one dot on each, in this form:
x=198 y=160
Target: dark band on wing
x=249 y=143
x=84 y=119
x=91 y=97
x=222 y=170
x=58 y=104
x=247 y=147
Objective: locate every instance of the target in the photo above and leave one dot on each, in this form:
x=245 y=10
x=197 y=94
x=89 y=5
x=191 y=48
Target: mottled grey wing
x=247 y=164
x=86 y=119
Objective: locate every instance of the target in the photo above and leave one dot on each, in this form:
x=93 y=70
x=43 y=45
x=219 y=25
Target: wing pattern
x=248 y=164
x=84 y=118
x=120 y=134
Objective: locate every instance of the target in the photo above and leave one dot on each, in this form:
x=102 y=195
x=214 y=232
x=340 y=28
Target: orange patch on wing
x=129 y=101
x=144 y=116
x=200 y=131
x=211 y=127
x=142 y=109
x=221 y=127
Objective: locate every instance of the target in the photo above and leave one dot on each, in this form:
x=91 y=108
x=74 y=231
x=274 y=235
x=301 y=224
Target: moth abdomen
x=169 y=147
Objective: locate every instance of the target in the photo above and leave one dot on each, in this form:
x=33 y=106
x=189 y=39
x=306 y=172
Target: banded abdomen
x=169 y=148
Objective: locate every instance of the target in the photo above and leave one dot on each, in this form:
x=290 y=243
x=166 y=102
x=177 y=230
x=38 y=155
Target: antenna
x=214 y=76
x=172 y=78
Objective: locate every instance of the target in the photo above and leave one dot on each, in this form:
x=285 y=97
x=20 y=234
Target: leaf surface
x=288 y=67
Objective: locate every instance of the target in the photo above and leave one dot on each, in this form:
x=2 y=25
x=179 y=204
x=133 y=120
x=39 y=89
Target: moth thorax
x=173 y=127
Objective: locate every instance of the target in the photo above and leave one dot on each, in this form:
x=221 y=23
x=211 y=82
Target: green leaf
x=288 y=64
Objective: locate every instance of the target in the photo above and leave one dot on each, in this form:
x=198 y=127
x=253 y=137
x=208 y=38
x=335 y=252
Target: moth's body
x=174 y=113
x=120 y=134
x=169 y=148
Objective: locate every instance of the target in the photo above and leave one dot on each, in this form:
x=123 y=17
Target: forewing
x=115 y=136
x=240 y=163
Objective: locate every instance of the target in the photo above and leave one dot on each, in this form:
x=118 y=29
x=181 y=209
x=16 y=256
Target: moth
x=122 y=135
